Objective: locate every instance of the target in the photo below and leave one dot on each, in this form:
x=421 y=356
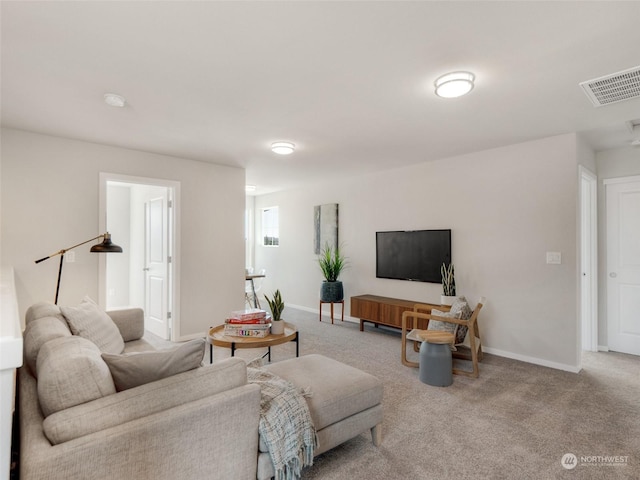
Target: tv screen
x=412 y=255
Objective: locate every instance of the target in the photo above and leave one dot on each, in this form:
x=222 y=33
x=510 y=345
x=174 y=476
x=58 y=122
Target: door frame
x=589 y=257
x=174 y=233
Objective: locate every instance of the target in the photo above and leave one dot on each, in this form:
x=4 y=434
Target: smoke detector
x=613 y=88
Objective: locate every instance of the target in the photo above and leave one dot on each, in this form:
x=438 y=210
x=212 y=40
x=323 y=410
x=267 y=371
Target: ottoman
x=344 y=402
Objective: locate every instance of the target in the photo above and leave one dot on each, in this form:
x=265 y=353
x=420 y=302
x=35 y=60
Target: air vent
x=613 y=88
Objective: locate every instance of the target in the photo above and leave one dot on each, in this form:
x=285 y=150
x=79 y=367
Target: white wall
x=50 y=194
x=622 y=162
x=119 y=226
x=506 y=207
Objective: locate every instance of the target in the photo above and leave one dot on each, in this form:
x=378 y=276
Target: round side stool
x=436 y=365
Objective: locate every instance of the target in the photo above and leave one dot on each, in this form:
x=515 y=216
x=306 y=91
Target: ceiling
x=350 y=83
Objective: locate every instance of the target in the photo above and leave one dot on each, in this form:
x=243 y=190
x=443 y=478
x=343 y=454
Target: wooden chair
x=422 y=311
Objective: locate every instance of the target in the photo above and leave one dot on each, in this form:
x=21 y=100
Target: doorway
x=589 y=259
x=623 y=264
x=142 y=213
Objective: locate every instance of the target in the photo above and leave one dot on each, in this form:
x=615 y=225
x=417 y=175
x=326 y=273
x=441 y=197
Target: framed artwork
x=325 y=222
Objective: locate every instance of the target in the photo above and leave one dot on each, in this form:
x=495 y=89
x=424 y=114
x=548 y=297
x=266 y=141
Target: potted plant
x=448 y=284
x=276 y=305
x=331 y=262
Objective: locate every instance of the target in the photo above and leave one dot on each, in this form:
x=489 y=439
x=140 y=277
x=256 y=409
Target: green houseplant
x=332 y=262
x=448 y=284
x=276 y=305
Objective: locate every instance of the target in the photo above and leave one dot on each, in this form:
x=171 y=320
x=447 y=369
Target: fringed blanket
x=285 y=424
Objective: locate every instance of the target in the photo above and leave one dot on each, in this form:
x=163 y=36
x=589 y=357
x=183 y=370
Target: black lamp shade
x=106 y=246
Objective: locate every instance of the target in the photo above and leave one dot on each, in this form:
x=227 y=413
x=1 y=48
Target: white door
x=623 y=264
x=156 y=267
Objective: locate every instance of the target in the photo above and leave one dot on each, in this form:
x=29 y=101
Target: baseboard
x=533 y=360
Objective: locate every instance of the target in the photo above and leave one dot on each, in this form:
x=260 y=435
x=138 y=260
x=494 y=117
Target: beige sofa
x=199 y=423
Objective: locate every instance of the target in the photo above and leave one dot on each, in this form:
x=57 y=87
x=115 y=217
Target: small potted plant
x=448 y=284
x=276 y=305
x=331 y=262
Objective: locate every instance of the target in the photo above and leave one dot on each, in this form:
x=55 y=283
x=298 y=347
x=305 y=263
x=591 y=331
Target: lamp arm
x=64 y=250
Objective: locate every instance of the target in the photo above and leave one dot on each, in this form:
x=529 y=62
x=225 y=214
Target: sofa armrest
x=144 y=400
x=130 y=322
x=214 y=437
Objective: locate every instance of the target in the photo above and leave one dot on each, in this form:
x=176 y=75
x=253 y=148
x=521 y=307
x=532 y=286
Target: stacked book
x=247 y=323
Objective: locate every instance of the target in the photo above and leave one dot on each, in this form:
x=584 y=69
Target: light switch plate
x=554 y=258
x=70 y=257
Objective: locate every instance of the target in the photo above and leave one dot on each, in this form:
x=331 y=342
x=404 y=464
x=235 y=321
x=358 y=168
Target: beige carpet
x=514 y=422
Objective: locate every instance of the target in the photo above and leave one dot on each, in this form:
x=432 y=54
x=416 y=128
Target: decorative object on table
x=331 y=262
x=448 y=284
x=325 y=222
x=277 y=306
x=105 y=247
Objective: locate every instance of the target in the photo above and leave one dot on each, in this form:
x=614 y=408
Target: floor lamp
x=105 y=247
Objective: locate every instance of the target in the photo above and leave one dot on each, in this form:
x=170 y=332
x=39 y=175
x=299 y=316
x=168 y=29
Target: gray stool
x=436 y=365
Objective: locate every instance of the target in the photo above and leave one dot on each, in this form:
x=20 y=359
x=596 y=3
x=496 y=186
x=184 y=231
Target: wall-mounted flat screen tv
x=412 y=255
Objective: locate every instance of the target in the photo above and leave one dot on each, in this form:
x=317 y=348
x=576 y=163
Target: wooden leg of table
x=361 y=325
x=269 y=352
x=211 y=353
x=233 y=349
x=297 y=340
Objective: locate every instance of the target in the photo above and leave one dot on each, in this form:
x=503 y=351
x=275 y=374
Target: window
x=270 y=234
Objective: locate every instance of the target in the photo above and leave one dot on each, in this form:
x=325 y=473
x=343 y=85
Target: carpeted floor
x=514 y=422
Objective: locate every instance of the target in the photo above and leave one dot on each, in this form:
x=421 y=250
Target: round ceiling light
x=454 y=84
x=282 y=148
x=114 y=100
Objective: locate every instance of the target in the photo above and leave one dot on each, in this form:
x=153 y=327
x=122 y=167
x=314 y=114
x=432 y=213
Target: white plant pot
x=277 y=328
x=447 y=300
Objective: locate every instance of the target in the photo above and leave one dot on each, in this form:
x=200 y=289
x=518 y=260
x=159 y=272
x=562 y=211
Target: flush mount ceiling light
x=454 y=84
x=282 y=148
x=114 y=100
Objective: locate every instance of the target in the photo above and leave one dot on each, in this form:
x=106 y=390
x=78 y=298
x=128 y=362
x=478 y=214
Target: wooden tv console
x=382 y=310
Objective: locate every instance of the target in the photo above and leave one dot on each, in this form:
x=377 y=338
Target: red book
x=253 y=321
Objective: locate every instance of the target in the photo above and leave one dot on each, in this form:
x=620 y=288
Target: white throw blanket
x=285 y=424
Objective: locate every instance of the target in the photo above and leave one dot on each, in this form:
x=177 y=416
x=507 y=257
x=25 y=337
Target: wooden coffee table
x=216 y=337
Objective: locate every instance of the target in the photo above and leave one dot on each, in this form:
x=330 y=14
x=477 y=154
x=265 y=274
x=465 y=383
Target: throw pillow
x=71 y=372
x=444 y=326
x=461 y=308
x=132 y=369
x=88 y=320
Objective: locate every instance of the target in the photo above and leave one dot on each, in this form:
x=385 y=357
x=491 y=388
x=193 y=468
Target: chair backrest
x=258 y=281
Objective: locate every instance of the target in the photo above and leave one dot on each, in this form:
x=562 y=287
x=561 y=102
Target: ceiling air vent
x=613 y=88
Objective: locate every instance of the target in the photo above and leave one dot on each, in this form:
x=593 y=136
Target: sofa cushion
x=70 y=372
x=130 y=322
x=43 y=309
x=88 y=320
x=39 y=331
x=145 y=400
x=337 y=390
x=132 y=369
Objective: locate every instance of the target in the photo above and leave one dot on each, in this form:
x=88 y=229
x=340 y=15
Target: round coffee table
x=219 y=339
